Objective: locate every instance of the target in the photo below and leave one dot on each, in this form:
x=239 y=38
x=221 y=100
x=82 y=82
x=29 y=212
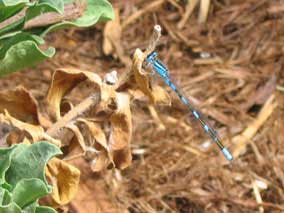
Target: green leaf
x=11 y=208
x=5 y=37
x=17 y=39
x=9 y=3
x=20 y=53
x=44 y=209
x=31 y=208
x=27 y=191
x=23 y=54
x=44 y=6
x=97 y=10
x=5 y=161
x=17 y=25
x=29 y=161
x=22 y=166
x=7 y=186
x=9 y=8
x=5 y=197
x=7 y=12
x=35 y=208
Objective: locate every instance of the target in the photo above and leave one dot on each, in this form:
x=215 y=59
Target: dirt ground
x=231 y=66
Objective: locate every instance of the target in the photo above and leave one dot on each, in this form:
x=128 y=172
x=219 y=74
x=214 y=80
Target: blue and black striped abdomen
x=197 y=116
x=162 y=70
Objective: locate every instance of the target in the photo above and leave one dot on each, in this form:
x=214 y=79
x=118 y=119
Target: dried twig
x=188 y=11
x=153 y=40
x=152 y=44
x=81 y=109
x=244 y=138
x=142 y=11
x=204 y=9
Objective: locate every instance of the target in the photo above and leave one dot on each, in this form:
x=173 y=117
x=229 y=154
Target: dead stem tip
x=158 y=28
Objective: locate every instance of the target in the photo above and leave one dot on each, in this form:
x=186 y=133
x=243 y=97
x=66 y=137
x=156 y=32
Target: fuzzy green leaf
x=29 y=161
x=31 y=208
x=17 y=39
x=10 y=3
x=5 y=37
x=9 y=8
x=27 y=191
x=5 y=197
x=5 y=161
x=97 y=10
x=23 y=54
x=44 y=209
x=11 y=208
x=17 y=25
x=27 y=53
x=44 y=6
x=6 y=12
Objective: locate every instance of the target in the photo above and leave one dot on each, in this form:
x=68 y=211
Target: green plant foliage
x=11 y=3
x=22 y=55
x=103 y=12
x=44 y=209
x=22 y=192
x=10 y=208
x=22 y=177
x=11 y=7
x=44 y=6
x=20 y=47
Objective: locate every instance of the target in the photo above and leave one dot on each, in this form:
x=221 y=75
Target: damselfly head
x=151 y=57
x=153 y=62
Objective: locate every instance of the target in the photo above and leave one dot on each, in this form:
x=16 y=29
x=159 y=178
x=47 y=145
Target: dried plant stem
x=204 y=10
x=177 y=35
x=154 y=40
x=188 y=11
x=77 y=111
x=151 y=47
x=244 y=138
x=156 y=117
x=142 y=11
x=257 y=196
